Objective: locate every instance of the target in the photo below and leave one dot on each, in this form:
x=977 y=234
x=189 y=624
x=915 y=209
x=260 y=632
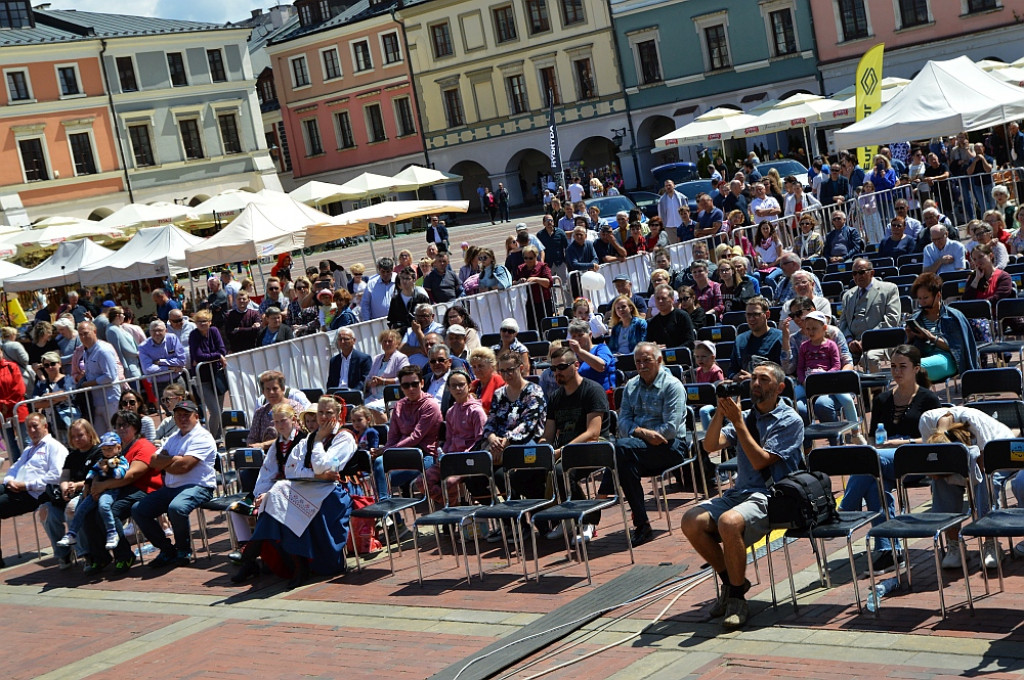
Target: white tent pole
x=391 y=236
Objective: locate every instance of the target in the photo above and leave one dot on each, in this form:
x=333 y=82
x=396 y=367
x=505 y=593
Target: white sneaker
x=112 y=540
x=988 y=555
x=555 y=533
x=951 y=560
x=68 y=540
x=586 y=534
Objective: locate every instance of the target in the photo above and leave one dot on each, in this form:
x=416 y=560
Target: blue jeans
x=862 y=490
x=178 y=503
x=947 y=497
x=55 y=529
x=772 y=279
x=87 y=504
x=398 y=479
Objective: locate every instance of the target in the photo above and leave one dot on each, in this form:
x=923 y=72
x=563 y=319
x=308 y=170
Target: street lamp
x=618 y=136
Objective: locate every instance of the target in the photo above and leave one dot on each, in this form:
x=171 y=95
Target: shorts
x=752 y=506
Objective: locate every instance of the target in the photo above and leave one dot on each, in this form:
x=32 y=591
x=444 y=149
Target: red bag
x=362 y=531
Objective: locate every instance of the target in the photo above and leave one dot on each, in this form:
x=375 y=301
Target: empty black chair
x=679 y=358
x=912 y=269
x=234 y=418
x=588 y=456
x=312 y=393
x=553 y=334
x=995 y=381
x=734 y=319
x=392 y=393
x=881 y=261
x=843 y=277
x=626 y=363
x=886 y=273
x=529 y=460
x=915 y=258
x=528 y=336
x=833 y=290
x=462 y=465
x=834 y=267
x=490 y=339
x=235 y=439
x=549 y=322
x=395 y=460
x=247 y=462
x=723 y=350
x=821 y=384
x=926 y=459
x=717 y=333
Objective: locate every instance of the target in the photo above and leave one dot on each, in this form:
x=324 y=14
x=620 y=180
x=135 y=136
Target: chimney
x=257 y=13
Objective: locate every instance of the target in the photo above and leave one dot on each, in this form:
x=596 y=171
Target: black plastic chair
x=553 y=334
x=549 y=322
x=527 y=336
x=911 y=268
x=659 y=481
x=734 y=319
x=312 y=393
x=461 y=466
x=723 y=350
x=392 y=393
x=234 y=418
x=982 y=381
x=915 y=258
x=537 y=458
x=1003 y=522
x=845 y=278
x=235 y=439
x=926 y=459
x=588 y=456
x=247 y=463
x=626 y=363
x=840 y=461
x=717 y=333
x=1009 y=412
x=1007 y=308
x=833 y=290
x=395 y=460
x=490 y=339
x=823 y=384
x=879 y=261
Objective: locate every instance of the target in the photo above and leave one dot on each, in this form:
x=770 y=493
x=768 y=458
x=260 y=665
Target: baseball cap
x=109 y=303
x=510 y=324
x=325 y=291
x=110 y=439
x=456 y=329
x=706 y=344
x=187 y=405
x=817 y=316
x=521 y=226
x=621 y=277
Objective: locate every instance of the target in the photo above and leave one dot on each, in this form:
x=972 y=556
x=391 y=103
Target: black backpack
x=802 y=500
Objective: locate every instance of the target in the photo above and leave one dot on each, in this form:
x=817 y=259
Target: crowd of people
x=139 y=438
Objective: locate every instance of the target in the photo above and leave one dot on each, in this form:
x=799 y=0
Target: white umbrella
x=844 y=109
x=797 y=111
x=714 y=126
x=343 y=225
x=9 y=269
x=152 y=252
x=54 y=230
x=368 y=184
x=318 y=193
x=135 y=215
x=230 y=203
x=416 y=176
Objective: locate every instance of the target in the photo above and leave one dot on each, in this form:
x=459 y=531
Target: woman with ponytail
x=899 y=411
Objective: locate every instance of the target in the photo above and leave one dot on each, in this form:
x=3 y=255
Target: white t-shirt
x=575 y=192
x=198 y=443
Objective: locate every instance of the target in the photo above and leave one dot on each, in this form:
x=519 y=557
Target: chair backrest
x=392 y=393
x=625 y=362
x=723 y=350
x=902 y=280
x=734 y=318
x=526 y=336
x=845 y=460
x=881 y=261
x=382 y=432
x=1008 y=308
x=589 y=456
x=981 y=381
x=468 y=464
x=931 y=459
x=235 y=439
x=846 y=278
x=519 y=458
x=403 y=459
x=1010 y=412
x=234 y=418
x=490 y=339
x=915 y=258
x=833 y=290
x=886 y=273
x=351 y=397
x=906 y=305
x=882 y=338
x=1003 y=454
x=834 y=267
x=247 y=458
x=953 y=289
x=549 y=322
x=312 y=393
x=972 y=309
x=700 y=394
x=539 y=348
x=837 y=382
x=958 y=275
x=911 y=268
x=359 y=463
x=553 y=334
x=717 y=333
x=677 y=356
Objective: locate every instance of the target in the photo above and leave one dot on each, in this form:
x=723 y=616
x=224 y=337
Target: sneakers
x=244 y=506
x=726 y=593
x=989 y=556
x=64 y=563
x=641 y=535
x=69 y=539
x=883 y=562
x=951 y=560
x=183 y=558
x=112 y=540
x=586 y=534
x=555 y=533
x=93 y=568
x=121 y=566
x=164 y=559
x=737 y=611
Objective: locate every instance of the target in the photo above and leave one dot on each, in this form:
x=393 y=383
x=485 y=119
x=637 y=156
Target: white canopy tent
x=229 y=204
x=9 y=269
x=945 y=98
x=152 y=252
x=716 y=125
x=136 y=215
x=261 y=230
x=318 y=193
x=62 y=268
x=357 y=221
x=416 y=177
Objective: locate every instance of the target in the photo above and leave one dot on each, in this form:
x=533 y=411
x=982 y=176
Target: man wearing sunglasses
x=415 y=423
x=869 y=304
x=440 y=362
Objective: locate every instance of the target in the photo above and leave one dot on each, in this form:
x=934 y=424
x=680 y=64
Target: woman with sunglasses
x=508 y=340
x=983 y=232
x=493 y=276
x=809 y=243
x=132 y=401
x=173 y=395
x=537 y=274
x=303 y=315
x=51 y=380
x=688 y=304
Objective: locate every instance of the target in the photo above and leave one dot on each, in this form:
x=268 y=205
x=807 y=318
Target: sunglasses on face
x=129 y=402
x=410 y=385
x=438 y=362
x=50 y=365
x=561 y=367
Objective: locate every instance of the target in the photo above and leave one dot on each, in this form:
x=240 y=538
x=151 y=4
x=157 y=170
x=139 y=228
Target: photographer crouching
x=768 y=439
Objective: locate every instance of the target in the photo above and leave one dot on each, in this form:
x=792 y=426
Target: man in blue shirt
x=554 y=242
x=596 y=361
x=768 y=439
x=652 y=432
x=580 y=255
x=843 y=242
x=943 y=254
x=164 y=304
x=759 y=341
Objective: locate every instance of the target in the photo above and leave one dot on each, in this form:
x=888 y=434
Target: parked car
x=647 y=201
x=691 y=189
x=786 y=166
x=677 y=172
x=610 y=205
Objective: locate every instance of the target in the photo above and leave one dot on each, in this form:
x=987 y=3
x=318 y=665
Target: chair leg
x=757 y=571
x=771 y=573
x=967 y=578
x=999 y=564
x=625 y=523
x=465 y=551
x=536 y=555
x=871 y=580
x=387 y=543
x=39 y=547
x=981 y=555
x=789 y=572
x=416 y=549
x=355 y=551
x=586 y=559
x=853 y=572
x=938 y=572
x=17 y=540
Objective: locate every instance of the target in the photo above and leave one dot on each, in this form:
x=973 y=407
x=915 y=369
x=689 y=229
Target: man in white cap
x=521 y=228
x=455 y=338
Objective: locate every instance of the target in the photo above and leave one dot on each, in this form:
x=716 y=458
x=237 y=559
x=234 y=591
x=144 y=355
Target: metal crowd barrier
x=88 y=407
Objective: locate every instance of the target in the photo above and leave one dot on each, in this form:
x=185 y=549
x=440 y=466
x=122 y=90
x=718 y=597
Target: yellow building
x=483 y=72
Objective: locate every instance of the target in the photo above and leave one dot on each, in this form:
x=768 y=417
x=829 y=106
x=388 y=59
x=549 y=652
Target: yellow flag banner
x=15 y=313
x=869 y=94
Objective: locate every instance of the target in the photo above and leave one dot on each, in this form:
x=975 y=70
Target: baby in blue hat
x=112 y=465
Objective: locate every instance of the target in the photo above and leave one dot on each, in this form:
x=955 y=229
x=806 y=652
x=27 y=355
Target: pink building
x=914 y=32
x=346 y=96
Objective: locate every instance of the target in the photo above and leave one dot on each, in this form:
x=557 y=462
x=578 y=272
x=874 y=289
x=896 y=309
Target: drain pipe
x=117 y=128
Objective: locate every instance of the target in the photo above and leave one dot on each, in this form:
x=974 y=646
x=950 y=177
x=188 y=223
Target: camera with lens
x=728 y=389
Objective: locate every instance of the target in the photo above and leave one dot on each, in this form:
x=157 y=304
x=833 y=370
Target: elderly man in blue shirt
x=160 y=353
x=652 y=432
x=768 y=440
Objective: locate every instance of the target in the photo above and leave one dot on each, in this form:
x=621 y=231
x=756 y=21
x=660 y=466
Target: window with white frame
x=537 y=16
x=781 y=29
x=230 y=138
x=343 y=130
x=126 y=74
x=374 y=123
x=404 y=117
x=713 y=32
x=453 y=111
x=32 y=152
x=391 y=48
x=646 y=55
x=361 y=55
x=19 y=89
x=311 y=135
x=972 y=6
x=331 y=63
x=584 y=78
x=82 y=153
x=191 y=138
x=572 y=12
x=300 y=73
x=853 y=19
x=913 y=13
x=142 y=145
x=68 y=80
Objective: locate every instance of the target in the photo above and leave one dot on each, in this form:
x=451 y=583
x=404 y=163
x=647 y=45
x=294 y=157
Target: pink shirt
x=823 y=357
x=415 y=424
x=714 y=375
x=464 y=425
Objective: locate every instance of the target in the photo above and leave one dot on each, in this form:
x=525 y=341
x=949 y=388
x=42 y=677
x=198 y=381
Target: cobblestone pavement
x=193 y=623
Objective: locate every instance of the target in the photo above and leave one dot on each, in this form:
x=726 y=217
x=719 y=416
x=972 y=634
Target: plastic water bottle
x=881 y=590
x=881 y=436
